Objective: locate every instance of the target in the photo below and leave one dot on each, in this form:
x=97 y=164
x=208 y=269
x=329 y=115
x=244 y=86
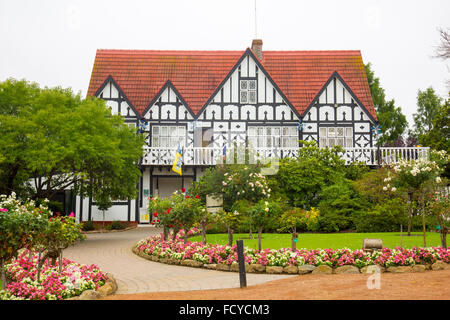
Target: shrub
x=117 y=225
x=87 y=226
x=386 y=216
x=337 y=204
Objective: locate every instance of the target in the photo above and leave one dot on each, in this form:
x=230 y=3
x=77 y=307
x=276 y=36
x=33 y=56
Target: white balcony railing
x=206 y=156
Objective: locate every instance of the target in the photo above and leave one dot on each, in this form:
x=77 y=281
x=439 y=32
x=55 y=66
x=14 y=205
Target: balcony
x=211 y=156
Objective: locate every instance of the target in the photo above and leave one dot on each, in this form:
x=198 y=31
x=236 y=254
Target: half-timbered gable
x=337 y=117
x=117 y=101
x=248 y=108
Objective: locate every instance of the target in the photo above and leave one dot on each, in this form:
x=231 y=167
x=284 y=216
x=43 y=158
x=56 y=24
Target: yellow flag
x=177 y=162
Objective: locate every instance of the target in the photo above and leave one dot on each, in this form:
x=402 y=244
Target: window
x=272 y=137
x=332 y=136
x=248 y=91
x=168 y=136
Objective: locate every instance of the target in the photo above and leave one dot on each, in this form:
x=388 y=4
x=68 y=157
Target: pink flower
x=71 y=214
x=3 y=210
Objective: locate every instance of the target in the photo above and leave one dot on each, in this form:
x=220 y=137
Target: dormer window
x=248 y=91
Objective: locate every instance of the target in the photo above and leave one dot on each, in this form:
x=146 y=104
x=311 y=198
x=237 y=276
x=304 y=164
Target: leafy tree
x=104 y=202
x=160 y=208
x=391 y=119
x=58 y=140
x=429 y=105
x=298 y=219
x=438 y=137
x=21 y=226
x=263 y=214
x=231 y=221
x=338 y=202
x=301 y=179
x=187 y=211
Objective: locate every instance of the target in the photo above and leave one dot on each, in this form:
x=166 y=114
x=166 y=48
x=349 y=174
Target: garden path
x=111 y=252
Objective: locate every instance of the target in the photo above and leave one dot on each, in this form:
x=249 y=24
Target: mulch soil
x=429 y=285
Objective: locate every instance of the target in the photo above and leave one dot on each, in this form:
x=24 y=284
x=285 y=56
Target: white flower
x=438 y=179
x=224 y=183
x=266 y=203
x=387 y=179
x=394 y=189
x=267 y=209
x=385 y=188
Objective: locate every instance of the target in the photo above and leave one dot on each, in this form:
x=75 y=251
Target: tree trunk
x=294 y=243
x=60 y=262
x=410 y=196
x=3 y=275
x=103 y=224
x=204 y=233
x=165 y=233
x=422 y=200
x=185 y=237
x=444 y=237
x=175 y=232
x=259 y=237
x=250 y=235
x=230 y=236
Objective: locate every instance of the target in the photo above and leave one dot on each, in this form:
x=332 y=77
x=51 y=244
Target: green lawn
x=327 y=240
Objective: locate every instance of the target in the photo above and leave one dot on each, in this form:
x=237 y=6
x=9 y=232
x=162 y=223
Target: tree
x=264 y=213
x=438 y=137
x=57 y=140
x=187 y=211
x=302 y=179
x=298 y=219
x=21 y=226
x=429 y=105
x=104 y=202
x=443 y=50
x=391 y=119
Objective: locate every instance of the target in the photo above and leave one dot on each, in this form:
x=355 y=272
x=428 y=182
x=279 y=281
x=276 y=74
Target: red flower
x=169 y=210
x=187 y=197
x=183 y=190
x=155 y=214
x=157 y=220
x=197 y=197
x=170 y=225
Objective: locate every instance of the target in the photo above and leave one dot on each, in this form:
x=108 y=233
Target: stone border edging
x=109 y=288
x=303 y=269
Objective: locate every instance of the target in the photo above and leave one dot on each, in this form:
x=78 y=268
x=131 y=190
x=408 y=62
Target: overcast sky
x=54 y=42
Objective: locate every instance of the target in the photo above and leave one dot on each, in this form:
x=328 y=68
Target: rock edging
x=290 y=270
x=109 y=288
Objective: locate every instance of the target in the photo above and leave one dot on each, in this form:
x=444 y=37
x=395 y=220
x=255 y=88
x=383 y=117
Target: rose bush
x=72 y=281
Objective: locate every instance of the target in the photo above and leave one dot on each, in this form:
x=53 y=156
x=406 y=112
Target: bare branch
x=443 y=50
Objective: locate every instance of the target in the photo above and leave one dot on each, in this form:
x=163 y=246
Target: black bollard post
x=241 y=261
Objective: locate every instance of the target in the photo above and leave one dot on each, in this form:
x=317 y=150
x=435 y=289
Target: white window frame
x=273 y=136
x=246 y=92
x=168 y=136
x=331 y=136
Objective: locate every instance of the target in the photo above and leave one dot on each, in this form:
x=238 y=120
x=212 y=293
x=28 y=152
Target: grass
x=327 y=240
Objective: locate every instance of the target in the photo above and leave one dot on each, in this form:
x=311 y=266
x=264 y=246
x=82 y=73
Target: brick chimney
x=257 y=48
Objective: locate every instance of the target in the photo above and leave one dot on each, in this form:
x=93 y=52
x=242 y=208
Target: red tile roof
x=300 y=75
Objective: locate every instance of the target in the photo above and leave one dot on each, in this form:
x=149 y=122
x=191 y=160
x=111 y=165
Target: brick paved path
x=112 y=253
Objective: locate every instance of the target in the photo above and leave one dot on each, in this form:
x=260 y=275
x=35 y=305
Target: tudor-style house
x=211 y=102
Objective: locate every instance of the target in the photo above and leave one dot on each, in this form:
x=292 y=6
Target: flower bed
x=223 y=254
x=72 y=281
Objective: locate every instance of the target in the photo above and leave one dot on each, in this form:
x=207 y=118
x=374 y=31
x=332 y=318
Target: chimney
x=257 y=48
